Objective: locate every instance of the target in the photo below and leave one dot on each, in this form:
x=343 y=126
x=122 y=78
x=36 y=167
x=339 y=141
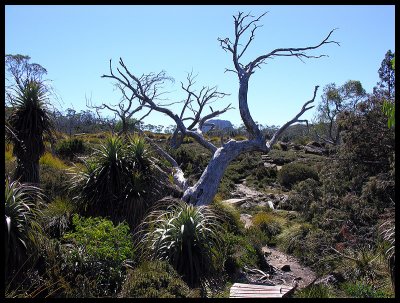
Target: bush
x=69 y=148
x=291 y=238
x=230 y=216
x=263 y=173
x=187 y=237
x=315 y=291
x=239 y=252
x=295 y=172
x=57 y=217
x=269 y=223
x=96 y=252
x=49 y=160
x=21 y=228
x=54 y=182
x=116 y=182
x=361 y=289
x=307 y=196
x=154 y=279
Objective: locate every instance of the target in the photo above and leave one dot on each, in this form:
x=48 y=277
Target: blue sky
x=75 y=44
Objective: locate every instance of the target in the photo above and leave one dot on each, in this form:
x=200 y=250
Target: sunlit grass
x=52 y=161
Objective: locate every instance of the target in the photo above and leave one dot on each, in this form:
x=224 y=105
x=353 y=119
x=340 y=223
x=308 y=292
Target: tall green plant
x=187 y=237
x=21 y=227
x=114 y=181
x=29 y=121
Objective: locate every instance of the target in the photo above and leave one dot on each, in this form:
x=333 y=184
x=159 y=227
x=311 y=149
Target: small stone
x=286 y=267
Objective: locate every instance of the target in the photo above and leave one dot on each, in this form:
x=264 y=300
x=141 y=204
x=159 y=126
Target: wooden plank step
x=241 y=290
x=257 y=296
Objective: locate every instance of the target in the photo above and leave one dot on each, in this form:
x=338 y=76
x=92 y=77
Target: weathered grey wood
x=241 y=290
x=235 y=201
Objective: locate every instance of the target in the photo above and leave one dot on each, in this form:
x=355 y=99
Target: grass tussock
x=52 y=161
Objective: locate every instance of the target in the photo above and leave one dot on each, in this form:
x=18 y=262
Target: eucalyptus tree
x=334 y=101
x=146 y=88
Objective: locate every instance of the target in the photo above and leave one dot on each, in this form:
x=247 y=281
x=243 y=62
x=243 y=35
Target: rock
x=315 y=150
x=271 y=204
x=284 y=146
x=286 y=267
x=270 y=165
x=296 y=146
x=314 y=144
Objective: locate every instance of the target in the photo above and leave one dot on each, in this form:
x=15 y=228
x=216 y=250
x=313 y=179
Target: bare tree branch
x=294 y=120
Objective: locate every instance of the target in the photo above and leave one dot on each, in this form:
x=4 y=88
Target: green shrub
x=265 y=173
x=295 y=172
x=96 y=250
x=57 y=217
x=306 y=197
x=116 y=181
x=154 y=279
x=239 y=252
x=49 y=160
x=268 y=223
x=291 y=238
x=21 y=228
x=230 y=216
x=315 y=291
x=54 y=182
x=69 y=148
x=186 y=236
x=361 y=289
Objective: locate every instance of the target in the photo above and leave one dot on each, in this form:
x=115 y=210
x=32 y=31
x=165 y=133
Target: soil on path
x=286 y=269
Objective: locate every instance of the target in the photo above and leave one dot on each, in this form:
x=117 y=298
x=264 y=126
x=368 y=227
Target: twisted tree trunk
x=206 y=187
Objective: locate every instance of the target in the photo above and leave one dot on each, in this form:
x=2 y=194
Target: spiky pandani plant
x=115 y=181
x=388 y=233
x=186 y=236
x=21 y=226
x=29 y=121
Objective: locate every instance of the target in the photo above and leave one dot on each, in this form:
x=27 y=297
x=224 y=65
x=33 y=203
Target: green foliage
x=154 y=279
x=315 y=291
x=361 y=289
x=52 y=161
x=230 y=216
x=57 y=217
x=69 y=148
x=115 y=181
x=21 y=227
x=96 y=251
x=239 y=252
x=269 y=223
x=334 y=101
x=363 y=263
x=306 y=198
x=187 y=237
x=192 y=158
x=295 y=172
x=29 y=120
x=290 y=238
x=389 y=110
x=54 y=182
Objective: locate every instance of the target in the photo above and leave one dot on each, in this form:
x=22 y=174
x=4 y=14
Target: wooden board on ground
x=235 y=201
x=240 y=290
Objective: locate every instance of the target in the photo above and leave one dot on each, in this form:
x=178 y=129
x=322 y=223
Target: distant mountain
x=219 y=125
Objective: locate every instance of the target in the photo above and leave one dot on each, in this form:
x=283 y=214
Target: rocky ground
x=284 y=269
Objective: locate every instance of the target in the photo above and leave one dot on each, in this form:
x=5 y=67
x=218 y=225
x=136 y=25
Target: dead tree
x=195 y=104
x=145 y=89
x=123 y=109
